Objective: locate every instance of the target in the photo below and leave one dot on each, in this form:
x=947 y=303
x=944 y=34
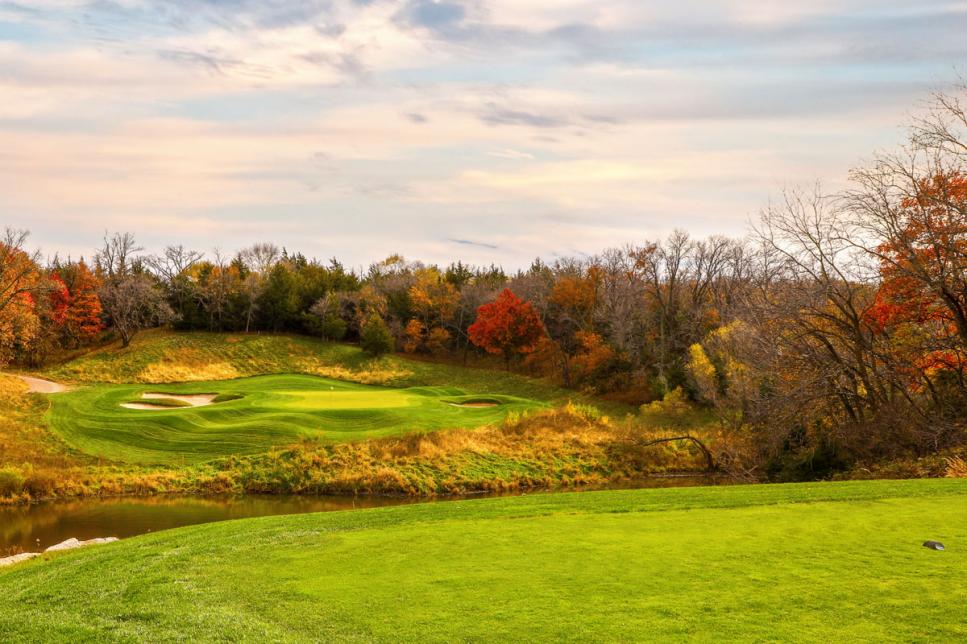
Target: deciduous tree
x=508 y=326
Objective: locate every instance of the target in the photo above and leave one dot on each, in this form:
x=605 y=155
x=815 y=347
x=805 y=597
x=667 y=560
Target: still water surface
x=35 y=527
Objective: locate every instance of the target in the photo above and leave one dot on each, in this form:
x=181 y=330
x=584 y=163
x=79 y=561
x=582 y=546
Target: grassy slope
x=165 y=357
x=270 y=411
x=813 y=562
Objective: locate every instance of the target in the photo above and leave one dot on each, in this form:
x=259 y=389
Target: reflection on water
x=35 y=527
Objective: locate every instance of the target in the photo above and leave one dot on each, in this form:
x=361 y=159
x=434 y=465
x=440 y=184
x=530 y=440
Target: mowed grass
x=803 y=562
x=259 y=413
x=171 y=357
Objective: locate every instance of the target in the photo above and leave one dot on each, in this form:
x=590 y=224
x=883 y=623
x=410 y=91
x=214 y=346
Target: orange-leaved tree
x=83 y=315
x=507 y=326
x=21 y=283
x=922 y=299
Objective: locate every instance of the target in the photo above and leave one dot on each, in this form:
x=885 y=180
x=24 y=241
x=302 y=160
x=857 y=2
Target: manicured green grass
x=165 y=356
x=806 y=562
x=257 y=414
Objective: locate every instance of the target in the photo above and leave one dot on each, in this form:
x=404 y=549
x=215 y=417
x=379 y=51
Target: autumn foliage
x=507 y=326
x=43 y=309
x=922 y=299
x=83 y=319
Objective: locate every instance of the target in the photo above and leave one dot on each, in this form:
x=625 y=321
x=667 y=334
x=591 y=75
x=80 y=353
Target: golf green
x=252 y=415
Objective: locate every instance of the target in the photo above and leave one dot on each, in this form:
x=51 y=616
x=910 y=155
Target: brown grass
x=956 y=468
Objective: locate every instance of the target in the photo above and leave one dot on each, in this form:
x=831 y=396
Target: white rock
x=70 y=544
x=15 y=559
x=73 y=543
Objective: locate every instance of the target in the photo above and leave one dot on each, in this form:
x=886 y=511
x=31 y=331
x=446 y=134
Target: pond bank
x=39 y=525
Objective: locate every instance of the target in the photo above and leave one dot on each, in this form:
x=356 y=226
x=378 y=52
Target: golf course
x=798 y=562
x=145 y=424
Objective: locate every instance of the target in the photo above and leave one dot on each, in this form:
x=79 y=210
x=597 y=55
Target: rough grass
x=257 y=414
x=806 y=562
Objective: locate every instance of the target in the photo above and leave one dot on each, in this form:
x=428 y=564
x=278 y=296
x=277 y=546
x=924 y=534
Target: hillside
x=805 y=562
x=160 y=356
x=270 y=440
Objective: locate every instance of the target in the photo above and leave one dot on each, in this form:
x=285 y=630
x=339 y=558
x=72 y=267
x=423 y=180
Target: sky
x=484 y=130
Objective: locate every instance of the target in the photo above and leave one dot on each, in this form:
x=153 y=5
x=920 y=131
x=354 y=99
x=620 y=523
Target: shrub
x=41 y=483
x=11 y=481
x=587 y=413
x=956 y=468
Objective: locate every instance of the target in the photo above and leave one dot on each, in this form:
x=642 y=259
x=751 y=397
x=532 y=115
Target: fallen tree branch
x=709 y=459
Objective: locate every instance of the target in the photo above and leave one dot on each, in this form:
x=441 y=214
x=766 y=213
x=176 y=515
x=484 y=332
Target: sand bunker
x=475 y=404
x=40 y=386
x=191 y=400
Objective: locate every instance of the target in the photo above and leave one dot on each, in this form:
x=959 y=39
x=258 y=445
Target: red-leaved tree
x=922 y=299
x=83 y=316
x=507 y=326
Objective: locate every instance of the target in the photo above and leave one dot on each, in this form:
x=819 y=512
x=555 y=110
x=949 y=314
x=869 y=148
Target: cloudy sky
x=490 y=130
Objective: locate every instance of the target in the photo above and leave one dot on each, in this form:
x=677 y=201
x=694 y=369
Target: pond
x=34 y=527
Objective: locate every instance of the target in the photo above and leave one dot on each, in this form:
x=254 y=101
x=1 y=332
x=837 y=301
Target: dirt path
x=40 y=386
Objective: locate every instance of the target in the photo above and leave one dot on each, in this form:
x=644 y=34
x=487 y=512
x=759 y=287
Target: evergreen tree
x=375 y=336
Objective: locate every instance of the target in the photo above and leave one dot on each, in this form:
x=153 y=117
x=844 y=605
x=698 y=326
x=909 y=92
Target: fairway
x=802 y=562
x=252 y=415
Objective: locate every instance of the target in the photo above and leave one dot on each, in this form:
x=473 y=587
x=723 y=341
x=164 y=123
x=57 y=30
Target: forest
x=833 y=334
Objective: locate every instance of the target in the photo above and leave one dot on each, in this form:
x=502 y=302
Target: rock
x=933 y=545
x=15 y=559
x=72 y=543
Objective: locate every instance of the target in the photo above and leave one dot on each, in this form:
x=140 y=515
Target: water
x=32 y=528
x=35 y=527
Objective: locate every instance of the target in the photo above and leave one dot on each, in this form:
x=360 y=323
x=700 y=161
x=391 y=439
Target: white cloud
x=533 y=125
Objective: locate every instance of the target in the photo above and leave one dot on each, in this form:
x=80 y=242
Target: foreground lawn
x=260 y=413
x=807 y=562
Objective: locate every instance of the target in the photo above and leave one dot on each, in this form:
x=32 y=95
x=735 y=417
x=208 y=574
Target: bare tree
x=826 y=368
x=261 y=257
x=174 y=262
x=944 y=126
x=621 y=295
x=134 y=303
x=115 y=258
x=680 y=277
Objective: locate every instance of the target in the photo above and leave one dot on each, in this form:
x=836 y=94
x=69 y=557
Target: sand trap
x=193 y=400
x=40 y=386
x=475 y=404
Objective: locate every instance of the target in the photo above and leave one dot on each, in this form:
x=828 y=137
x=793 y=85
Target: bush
x=587 y=413
x=41 y=483
x=334 y=328
x=11 y=481
x=375 y=337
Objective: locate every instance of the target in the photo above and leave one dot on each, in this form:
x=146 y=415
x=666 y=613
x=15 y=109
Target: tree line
x=835 y=331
